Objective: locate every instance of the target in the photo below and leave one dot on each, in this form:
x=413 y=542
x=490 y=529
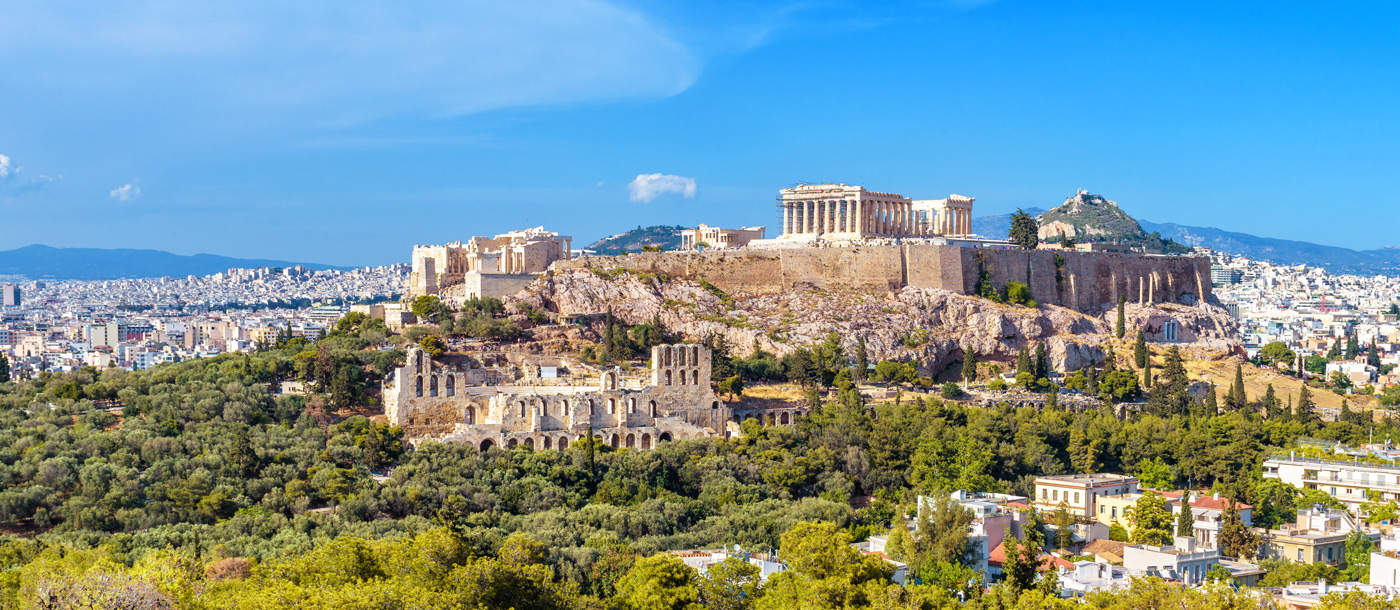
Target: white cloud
x=126 y=192
x=5 y=167
x=646 y=187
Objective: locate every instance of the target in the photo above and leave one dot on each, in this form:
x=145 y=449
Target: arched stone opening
x=631 y=441
x=530 y=444
x=432 y=386
x=651 y=405
x=612 y=406
x=486 y=444
x=668 y=377
x=772 y=419
x=682 y=376
x=694 y=377
x=512 y=443
x=470 y=415
x=419 y=387
x=646 y=441
x=616 y=442
x=451 y=387
x=563 y=443
x=665 y=436
x=548 y=443
x=714 y=405
x=631 y=405
x=783 y=418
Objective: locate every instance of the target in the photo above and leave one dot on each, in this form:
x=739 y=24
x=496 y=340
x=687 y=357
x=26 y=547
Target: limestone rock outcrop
x=927 y=325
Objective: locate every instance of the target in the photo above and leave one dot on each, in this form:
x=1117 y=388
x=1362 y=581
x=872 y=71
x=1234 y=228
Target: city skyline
x=188 y=129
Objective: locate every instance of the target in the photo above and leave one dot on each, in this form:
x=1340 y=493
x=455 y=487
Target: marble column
x=835 y=216
x=807 y=216
x=787 y=218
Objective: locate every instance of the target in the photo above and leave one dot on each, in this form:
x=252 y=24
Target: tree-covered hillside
x=1086 y=217
x=664 y=237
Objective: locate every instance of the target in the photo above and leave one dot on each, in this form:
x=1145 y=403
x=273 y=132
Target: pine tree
x=1336 y=351
x=1345 y=414
x=1185 y=518
x=1287 y=414
x=1110 y=360
x=1212 y=405
x=1352 y=347
x=1141 y=357
x=1042 y=364
x=1373 y=356
x=4 y=368
x=1122 y=328
x=969 y=367
x=1023 y=362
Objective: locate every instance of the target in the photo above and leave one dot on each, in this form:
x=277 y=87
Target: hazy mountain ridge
x=38 y=261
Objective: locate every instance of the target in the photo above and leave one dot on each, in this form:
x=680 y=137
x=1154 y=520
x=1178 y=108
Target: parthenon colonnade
x=839 y=211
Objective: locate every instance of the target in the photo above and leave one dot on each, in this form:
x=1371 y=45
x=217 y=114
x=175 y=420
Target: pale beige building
x=841 y=212
x=1081 y=492
x=517 y=253
x=716 y=238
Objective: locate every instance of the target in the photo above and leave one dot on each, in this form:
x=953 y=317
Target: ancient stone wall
x=1084 y=281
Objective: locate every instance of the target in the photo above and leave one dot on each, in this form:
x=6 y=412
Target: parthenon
x=843 y=212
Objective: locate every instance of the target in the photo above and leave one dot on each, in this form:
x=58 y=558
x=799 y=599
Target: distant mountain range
x=1281 y=251
x=1335 y=259
x=45 y=262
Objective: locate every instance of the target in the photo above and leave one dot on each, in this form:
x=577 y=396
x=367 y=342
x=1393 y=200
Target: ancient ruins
x=546 y=403
x=486 y=266
x=841 y=212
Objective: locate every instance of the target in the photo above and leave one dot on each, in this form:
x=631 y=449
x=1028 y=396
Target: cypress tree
x=1122 y=319
x=1023 y=362
x=1110 y=361
x=1042 y=364
x=1237 y=396
x=862 y=358
x=1352 y=348
x=1147 y=375
x=969 y=367
x=1304 y=412
x=1212 y=405
x=1373 y=357
x=1141 y=357
x=4 y=368
x=1269 y=402
x=1185 y=518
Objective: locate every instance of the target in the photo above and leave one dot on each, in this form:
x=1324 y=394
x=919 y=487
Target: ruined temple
x=548 y=403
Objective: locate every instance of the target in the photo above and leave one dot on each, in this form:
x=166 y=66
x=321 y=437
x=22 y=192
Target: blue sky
x=346 y=132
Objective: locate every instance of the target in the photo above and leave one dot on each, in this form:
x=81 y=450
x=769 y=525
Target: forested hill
x=668 y=238
x=44 y=262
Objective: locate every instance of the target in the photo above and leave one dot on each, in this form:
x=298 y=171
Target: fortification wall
x=1083 y=281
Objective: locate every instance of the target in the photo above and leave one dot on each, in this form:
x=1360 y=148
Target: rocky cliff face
x=930 y=326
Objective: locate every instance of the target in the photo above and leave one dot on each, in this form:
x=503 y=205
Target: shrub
x=996 y=385
x=951 y=390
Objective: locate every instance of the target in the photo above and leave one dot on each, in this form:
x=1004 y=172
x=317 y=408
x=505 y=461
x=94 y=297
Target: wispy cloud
x=126 y=192
x=646 y=187
x=6 y=167
x=324 y=62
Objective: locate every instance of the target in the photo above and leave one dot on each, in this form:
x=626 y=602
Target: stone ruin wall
x=1086 y=281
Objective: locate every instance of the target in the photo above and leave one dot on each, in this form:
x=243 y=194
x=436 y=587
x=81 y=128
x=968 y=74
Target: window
x=432 y=386
x=668 y=377
x=680 y=357
x=1300 y=554
x=1329 y=554
x=1056 y=495
x=694 y=377
x=1114 y=513
x=1076 y=497
x=1101 y=508
x=451 y=386
x=419 y=390
x=694 y=356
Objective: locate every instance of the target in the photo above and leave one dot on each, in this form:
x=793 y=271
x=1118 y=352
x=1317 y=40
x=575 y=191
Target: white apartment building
x=1346 y=480
x=1182 y=561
